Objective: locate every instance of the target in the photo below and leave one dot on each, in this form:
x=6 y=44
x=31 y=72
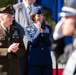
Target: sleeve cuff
x=37 y=33
x=3 y=51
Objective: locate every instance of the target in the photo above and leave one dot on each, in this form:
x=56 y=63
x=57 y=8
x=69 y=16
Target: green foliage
x=5 y=2
x=47 y=18
x=64 y=1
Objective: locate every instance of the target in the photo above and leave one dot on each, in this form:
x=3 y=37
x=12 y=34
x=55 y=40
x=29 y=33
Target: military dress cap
x=8 y=9
x=69 y=9
x=37 y=10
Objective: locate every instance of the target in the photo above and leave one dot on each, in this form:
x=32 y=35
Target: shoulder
x=15 y=28
x=18 y=5
x=35 y=4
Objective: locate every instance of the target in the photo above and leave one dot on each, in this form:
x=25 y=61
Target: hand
x=13 y=48
x=58 y=30
x=38 y=25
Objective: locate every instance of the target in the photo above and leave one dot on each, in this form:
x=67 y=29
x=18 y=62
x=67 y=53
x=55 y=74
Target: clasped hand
x=13 y=48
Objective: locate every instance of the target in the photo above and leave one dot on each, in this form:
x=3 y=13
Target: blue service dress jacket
x=40 y=43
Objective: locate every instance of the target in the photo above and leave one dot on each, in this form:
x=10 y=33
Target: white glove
x=58 y=31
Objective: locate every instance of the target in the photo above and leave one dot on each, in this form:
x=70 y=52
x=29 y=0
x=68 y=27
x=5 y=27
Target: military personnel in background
x=11 y=44
x=65 y=27
x=38 y=36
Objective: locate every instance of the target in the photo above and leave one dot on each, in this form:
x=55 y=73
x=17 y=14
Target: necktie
x=8 y=32
x=29 y=11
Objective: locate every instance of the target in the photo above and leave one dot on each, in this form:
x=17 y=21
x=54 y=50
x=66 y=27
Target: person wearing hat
x=65 y=27
x=11 y=44
x=38 y=36
x=70 y=68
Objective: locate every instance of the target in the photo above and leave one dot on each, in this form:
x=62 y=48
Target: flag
x=19 y=1
x=54 y=6
x=57 y=9
x=58 y=4
x=46 y=3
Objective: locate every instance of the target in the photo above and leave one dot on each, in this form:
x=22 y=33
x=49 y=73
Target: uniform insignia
x=47 y=30
x=30 y=29
x=15 y=33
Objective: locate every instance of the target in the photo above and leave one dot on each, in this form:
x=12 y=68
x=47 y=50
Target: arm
x=58 y=47
x=16 y=44
x=58 y=30
x=32 y=39
x=58 y=36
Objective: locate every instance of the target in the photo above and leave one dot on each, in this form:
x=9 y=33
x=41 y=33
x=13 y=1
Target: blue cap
x=37 y=10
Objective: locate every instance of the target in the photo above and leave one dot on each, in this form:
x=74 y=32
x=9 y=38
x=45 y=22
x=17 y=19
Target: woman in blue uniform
x=38 y=36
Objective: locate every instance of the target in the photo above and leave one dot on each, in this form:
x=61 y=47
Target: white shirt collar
x=34 y=24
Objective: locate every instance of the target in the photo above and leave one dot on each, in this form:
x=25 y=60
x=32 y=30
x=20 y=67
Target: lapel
x=2 y=31
x=22 y=13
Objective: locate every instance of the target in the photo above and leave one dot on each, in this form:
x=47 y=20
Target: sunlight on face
x=38 y=17
x=30 y=2
x=68 y=25
x=7 y=19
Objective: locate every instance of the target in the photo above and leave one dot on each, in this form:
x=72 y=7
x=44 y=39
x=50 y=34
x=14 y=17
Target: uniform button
x=30 y=45
x=41 y=48
x=9 y=56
